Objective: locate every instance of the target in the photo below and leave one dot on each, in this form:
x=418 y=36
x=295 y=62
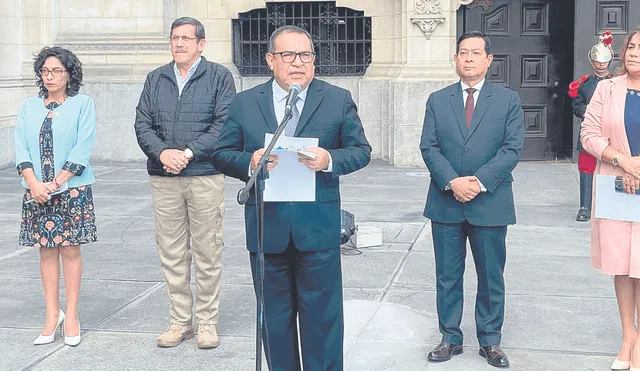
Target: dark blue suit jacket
x=490 y=149
x=329 y=114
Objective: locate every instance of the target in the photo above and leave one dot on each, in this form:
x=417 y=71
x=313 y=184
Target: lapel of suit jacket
x=458 y=109
x=265 y=101
x=484 y=100
x=314 y=97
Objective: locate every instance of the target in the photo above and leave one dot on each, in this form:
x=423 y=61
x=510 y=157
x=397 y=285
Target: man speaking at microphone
x=302 y=277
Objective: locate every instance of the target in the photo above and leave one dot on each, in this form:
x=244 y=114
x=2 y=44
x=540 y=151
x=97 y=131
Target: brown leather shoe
x=207 y=337
x=174 y=336
x=444 y=351
x=495 y=356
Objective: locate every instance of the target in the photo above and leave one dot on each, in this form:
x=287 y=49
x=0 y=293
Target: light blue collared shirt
x=182 y=82
x=279 y=102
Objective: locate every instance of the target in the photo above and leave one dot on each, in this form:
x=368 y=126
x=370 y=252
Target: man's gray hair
x=192 y=21
x=287 y=29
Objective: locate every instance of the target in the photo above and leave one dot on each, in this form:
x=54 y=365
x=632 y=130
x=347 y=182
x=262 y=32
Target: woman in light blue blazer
x=54 y=137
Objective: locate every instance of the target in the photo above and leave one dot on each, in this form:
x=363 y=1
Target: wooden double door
x=540 y=46
x=532 y=44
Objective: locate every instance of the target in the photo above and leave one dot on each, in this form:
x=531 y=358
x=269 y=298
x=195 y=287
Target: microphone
x=294 y=90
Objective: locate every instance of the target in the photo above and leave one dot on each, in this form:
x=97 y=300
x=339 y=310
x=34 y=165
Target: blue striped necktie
x=290 y=129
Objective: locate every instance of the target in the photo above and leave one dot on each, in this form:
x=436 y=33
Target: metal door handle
x=556 y=84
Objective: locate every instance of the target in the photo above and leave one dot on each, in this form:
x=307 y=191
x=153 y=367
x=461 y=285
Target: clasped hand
x=631 y=177
x=40 y=192
x=173 y=160
x=465 y=188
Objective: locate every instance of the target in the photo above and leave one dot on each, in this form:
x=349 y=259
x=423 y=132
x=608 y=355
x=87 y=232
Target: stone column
x=25 y=27
x=216 y=16
x=429 y=37
x=373 y=91
x=118 y=42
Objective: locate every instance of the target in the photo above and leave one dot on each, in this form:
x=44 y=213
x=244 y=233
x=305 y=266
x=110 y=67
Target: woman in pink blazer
x=611 y=133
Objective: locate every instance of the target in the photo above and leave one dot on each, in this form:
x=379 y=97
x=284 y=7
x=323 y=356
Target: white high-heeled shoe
x=47 y=339
x=73 y=340
x=620 y=365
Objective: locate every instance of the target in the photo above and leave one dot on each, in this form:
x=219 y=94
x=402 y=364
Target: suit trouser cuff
x=489 y=340
x=453 y=339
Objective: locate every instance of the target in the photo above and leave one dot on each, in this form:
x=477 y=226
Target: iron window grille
x=342 y=37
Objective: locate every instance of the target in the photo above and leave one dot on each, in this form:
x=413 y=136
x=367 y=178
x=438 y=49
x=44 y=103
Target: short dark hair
x=192 y=21
x=470 y=34
x=271 y=48
x=70 y=62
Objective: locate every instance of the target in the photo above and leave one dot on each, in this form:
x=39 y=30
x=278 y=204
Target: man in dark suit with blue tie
x=303 y=276
x=472 y=139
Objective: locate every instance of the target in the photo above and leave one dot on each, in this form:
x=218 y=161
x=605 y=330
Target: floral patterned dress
x=68 y=218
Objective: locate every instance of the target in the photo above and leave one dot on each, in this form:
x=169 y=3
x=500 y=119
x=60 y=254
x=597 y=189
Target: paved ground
x=560 y=315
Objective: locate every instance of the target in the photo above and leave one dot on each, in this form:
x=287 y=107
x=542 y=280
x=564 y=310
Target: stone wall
x=25 y=27
x=119 y=42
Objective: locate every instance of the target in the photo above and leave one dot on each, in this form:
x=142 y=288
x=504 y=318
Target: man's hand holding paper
x=316 y=163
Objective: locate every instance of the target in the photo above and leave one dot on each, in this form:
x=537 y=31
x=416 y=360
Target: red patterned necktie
x=468 y=106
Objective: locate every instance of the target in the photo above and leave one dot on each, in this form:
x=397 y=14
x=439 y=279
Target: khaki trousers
x=188 y=214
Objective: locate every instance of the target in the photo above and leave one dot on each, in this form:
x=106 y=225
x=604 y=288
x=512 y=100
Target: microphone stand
x=260 y=174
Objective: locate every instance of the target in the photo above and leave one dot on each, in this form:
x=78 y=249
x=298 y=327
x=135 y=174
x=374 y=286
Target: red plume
x=606 y=38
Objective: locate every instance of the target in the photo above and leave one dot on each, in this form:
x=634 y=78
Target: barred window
x=342 y=37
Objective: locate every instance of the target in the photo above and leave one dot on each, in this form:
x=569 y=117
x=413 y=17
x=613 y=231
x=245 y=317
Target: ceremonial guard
x=581 y=91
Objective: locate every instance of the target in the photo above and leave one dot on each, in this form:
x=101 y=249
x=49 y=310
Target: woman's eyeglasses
x=56 y=72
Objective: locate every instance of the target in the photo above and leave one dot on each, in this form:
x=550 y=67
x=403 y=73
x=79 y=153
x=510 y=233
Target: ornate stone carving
x=427 y=25
x=428 y=7
x=429 y=16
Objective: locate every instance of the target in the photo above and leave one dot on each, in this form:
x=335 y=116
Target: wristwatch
x=616 y=159
x=448 y=186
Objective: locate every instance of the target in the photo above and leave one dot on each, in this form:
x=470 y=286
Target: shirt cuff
x=24 y=165
x=74 y=168
x=189 y=154
x=329 y=168
x=482 y=187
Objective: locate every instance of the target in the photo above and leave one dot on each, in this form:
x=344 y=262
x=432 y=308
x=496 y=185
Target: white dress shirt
x=476 y=95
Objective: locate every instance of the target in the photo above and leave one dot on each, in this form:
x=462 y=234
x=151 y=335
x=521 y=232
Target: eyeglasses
x=56 y=72
x=175 y=38
x=289 y=57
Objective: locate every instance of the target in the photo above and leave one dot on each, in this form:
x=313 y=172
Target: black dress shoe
x=444 y=351
x=584 y=215
x=495 y=356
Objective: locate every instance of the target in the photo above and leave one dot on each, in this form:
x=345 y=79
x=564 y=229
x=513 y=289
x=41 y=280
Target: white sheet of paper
x=614 y=205
x=290 y=181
